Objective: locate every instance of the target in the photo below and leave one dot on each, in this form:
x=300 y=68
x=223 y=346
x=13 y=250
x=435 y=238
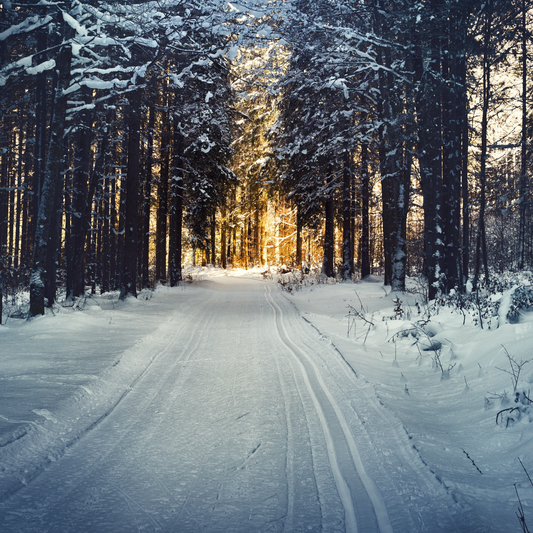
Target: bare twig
x=472 y=461
x=527 y=473
x=510 y=409
x=359 y=314
x=515 y=366
x=520 y=513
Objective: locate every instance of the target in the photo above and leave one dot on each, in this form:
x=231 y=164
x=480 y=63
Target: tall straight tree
x=52 y=177
x=481 y=236
x=523 y=187
x=131 y=236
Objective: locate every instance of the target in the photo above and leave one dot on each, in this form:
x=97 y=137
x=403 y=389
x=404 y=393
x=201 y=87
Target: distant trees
x=86 y=89
x=411 y=71
x=326 y=90
x=120 y=122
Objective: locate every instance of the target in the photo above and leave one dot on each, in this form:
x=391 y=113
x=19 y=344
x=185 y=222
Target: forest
x=348 y=137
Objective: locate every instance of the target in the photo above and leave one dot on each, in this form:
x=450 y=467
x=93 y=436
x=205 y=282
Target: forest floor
x=228 y=404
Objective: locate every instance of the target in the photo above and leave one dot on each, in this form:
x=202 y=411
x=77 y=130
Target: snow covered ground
x=230 y=405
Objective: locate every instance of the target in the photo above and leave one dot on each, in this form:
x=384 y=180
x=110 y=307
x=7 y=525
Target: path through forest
x=245 y=420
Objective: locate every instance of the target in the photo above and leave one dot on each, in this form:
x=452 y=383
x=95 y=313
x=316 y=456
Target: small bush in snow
x=521 y=410
x=523 y=405
x=500 y=301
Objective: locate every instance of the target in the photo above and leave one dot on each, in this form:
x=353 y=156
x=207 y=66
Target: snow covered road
x=244 y=420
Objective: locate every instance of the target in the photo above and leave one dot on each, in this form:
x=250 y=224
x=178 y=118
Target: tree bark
x=131 y=240
x=162 y=193
x=328 y=267
x=176 y=230
x=365 y=215
x=147 y=200
x=429 y=111
x=78 y=201
x=52 y=179
x=223 y=238
x=523 y=192
x=298 y=238
x=347 y=257
x=481 y=247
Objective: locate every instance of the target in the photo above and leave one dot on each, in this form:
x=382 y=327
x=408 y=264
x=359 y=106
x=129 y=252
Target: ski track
x=242 y=420
x=406 y=481
x=379 y=507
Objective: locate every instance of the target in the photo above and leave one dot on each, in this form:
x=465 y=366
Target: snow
x=227 y=404
x=45 y=65
x=27 y=26
x=74 y=24
x=232 y=52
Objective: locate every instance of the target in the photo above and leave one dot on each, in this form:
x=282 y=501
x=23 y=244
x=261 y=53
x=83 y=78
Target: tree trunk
x=298 y=238
x=223 y=238
x=54 y=243
x=78 y=200
x=454 y=98
x=429 y=112
x=347 y=257
x=523 y=192
x=52 y=179
x=464 y=181
x=162 y=193
x=365 y=216
x=176 y=229
x=328 y=267
x=402 y=208
x=3 y=209
x=481 y=248
x=106 y=230
x=147 y=200
x=213 y=238
x=131 y=241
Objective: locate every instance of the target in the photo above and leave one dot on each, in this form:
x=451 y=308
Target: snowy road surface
x=245 y=420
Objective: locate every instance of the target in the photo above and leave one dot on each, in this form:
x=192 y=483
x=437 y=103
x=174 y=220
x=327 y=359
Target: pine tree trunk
x=52 y=179
x=214 y=235
x=402 y=208
x=365 y=216
x=131 y=240
x=523 y=192
x=453 y=117
x=106 y=230
x=176 y=229
x=328 y=267
x=40 y=128
x=223 y=238
x=347 y=257
x=3 y=210
x=54 y=243
x=481 y=248
x=162 y=193
x=465 y=182
x=430 y=160
x=78 y=201
x=147 y=200
x=298 y=238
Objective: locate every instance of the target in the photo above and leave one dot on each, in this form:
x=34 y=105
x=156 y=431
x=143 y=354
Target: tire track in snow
x=376 y=499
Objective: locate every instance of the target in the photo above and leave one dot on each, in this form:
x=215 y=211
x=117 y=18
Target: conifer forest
x=352 y=137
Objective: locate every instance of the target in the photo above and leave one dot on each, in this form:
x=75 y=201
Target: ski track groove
x=289 y=460
x=195 y=338
x=324 y=404
x=373 y=492
x=404 y=449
